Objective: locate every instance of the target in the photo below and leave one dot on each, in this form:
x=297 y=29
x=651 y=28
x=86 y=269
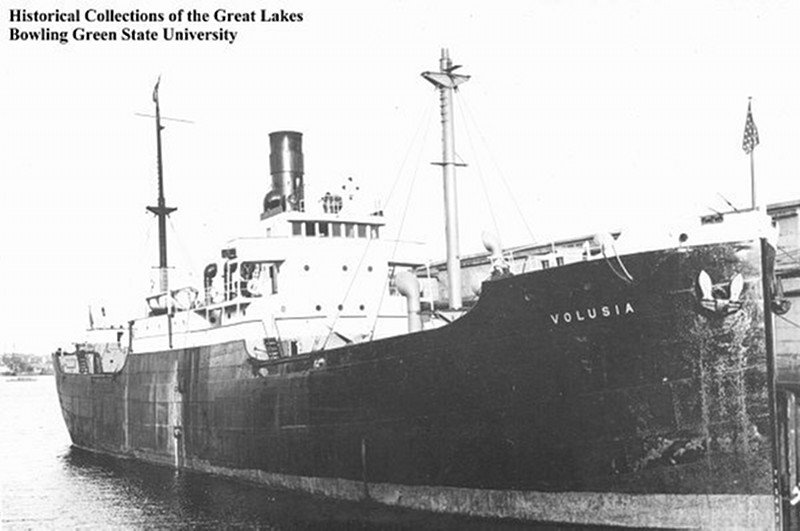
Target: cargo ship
x=631 y=383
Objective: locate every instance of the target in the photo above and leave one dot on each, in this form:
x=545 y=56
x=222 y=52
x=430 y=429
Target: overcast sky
x=594 y=114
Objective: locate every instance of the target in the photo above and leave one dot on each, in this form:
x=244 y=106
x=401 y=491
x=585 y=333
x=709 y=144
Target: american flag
x=750 y=140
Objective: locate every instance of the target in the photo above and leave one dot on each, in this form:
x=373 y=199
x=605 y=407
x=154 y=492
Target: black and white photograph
x=400 y=265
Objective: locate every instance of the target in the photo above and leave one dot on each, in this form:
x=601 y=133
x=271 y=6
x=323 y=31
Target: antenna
x=163 y=118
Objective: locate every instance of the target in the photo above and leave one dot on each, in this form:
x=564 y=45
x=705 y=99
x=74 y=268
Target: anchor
x=713 y=300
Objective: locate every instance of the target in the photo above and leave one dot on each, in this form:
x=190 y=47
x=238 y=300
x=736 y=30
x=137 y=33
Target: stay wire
x=187 y=256
x=144 y=252
x=796 y=325
x=425 y=117
x=400 y=228
x=499 y=171
x=346 y=294
x=479 y=171
x=789 y=255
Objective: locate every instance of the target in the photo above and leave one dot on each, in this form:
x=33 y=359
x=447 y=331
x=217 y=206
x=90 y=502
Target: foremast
x=446 y=81
x=161 y=211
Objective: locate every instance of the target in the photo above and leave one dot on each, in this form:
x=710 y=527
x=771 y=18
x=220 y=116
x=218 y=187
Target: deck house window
x=311 y=228
x=324 y=229
x=297 y=228
x=362 y=230
x=350 y=230
x=373 y=232
x=559 y=260
x=336 y=229
x=545 y=264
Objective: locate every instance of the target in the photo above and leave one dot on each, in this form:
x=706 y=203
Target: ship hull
x=596 y=393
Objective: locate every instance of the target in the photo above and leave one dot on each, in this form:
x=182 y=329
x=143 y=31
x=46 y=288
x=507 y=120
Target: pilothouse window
x=258 y=279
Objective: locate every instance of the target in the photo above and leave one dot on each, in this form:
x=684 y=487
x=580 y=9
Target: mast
x=162 y=211
x=446 y=81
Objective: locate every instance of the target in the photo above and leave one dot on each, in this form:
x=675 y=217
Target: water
x=47 y=484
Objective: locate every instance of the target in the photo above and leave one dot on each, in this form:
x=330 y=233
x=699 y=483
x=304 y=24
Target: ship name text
x=590 y=314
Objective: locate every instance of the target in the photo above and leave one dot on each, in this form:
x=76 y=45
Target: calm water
x=46 y=484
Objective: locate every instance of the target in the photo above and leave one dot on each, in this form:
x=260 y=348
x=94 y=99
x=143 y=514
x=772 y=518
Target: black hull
x=566 y=395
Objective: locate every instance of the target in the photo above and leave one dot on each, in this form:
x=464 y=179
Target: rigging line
x=400 y=228
x=729 y=203
x=789 y=255
x=424 y=119
x=627 y=278
x=796 y=325
x=143 y=251
x=182 y=247
x=380 y=302
x=622 y=265
x=480 y=172
x=346 y=294
x=499 y=171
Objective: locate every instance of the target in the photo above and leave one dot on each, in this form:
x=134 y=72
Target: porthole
x=306 y=267
x=361 y=307
x=340 y=307
x=344 y=268
x=369 y=268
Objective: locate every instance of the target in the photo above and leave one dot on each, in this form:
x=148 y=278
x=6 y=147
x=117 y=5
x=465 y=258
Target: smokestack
x=286 y=168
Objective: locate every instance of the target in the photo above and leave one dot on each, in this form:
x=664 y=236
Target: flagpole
x=752 y=182
x=749 y=143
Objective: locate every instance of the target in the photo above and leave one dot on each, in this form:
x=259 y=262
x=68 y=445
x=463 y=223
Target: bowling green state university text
x=126 y=34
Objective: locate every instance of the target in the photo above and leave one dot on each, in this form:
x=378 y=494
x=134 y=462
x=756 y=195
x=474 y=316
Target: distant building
x=787 y=326
x=478 y=267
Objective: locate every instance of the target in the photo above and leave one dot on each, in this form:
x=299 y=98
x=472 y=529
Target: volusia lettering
x=591 y=314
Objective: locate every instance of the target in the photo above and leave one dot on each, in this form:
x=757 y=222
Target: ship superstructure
x=320 y=276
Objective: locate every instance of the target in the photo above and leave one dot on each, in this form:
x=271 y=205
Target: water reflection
x=140 y=494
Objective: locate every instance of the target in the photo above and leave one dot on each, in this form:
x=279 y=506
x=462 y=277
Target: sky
x=580 y=117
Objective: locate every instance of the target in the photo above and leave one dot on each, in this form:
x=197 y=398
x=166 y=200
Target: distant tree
x=19 y=363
